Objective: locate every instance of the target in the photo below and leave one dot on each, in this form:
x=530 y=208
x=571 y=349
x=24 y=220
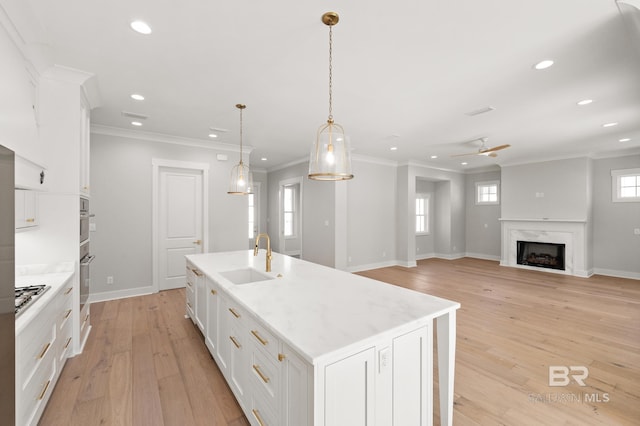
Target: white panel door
x=179 y=223
x=349 y=391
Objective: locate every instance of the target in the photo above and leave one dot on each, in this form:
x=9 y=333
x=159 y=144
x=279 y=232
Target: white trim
x=618 y=274
x=99 y=129
x=377 y=265
x=615 y=185
x=482 y=256
x=487 y=183
x=121 y=294
x=158 y=163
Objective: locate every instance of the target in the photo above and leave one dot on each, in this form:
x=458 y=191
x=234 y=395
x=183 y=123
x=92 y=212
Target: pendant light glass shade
x=241 y=182
x=330 y=157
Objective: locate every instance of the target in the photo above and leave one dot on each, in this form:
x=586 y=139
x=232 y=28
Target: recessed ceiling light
x=136 y=123
x=585 y=102
x=624 y=140
x=263 y=159
x=609 y=124
x=137 y=97
x=213 y=135
x=141 y=27
x=464 y=163
x=543 y=64
x=434 y=157
x=393 y=148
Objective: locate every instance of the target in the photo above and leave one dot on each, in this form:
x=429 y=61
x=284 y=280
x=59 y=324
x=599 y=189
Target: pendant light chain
x=330 y=73
x=241 y=135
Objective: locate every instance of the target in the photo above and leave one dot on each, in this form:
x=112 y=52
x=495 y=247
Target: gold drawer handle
x=68 y=290
x=44 y=351
x=66 y=345
x=235 y=314
x=281 y=357
x=235 y=342
x=260 y=339
x=66 y=315
x=30 y=220
x=214 y=292
x=189 y=305
x=260 y=373
x=86 y=317
x=256 y=414
x=44 y=390
x=198 y=273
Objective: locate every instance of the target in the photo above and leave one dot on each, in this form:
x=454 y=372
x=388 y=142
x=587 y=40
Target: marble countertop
x=320 y=311
x=55 y=277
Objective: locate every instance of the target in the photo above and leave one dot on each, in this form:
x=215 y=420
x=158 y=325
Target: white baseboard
x=483 y=256
x=378 y=265
x=120 y=294
x=617 y=274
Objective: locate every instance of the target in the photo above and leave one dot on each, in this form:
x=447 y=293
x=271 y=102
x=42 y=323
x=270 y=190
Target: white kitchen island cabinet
x=309 y=345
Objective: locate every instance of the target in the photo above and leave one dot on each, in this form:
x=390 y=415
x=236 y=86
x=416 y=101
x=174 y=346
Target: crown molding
x=99 y=129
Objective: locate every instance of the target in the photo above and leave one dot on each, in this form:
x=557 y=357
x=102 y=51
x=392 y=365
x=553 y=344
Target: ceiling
x=405 y=74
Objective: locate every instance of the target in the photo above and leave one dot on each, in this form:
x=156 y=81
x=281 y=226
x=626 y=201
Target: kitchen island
x=306 y=344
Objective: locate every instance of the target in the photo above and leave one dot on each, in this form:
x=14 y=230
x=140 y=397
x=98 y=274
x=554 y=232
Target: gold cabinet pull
x=235 y=342
x=30 y=220
x=66 y=345
x=260 y=339
x=198 y=242
x=214 y=292
x=235 y=314
x=44 y=390
x=68 y=290
x=66 y=314
x=189 y=305
x=256 y=414
x=260 y=373
x=86 y=317
x=281 y=357
x=189 y=284
x=44 y=350
x=198 y=273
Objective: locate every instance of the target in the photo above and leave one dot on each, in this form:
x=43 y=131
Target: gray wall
x=121 y=199
x=616 y=248
x=552 y=189
x=482 y=223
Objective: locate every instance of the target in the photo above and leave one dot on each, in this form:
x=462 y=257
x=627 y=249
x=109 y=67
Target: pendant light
x=330 y=158
x=241 y=178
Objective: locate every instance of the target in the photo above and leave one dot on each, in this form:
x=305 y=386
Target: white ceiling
x=405 y=73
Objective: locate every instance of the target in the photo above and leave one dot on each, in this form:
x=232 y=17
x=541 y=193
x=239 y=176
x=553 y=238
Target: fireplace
x=541 y=254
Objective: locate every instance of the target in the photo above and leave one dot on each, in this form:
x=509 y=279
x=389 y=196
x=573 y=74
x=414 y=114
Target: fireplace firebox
x=541 y=255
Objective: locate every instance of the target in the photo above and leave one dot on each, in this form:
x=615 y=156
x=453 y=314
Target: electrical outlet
x=109 y=280
x=636 y=231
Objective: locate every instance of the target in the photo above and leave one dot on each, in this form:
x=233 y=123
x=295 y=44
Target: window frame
x=486 y=184
x=616 y=185
x=426 y=197
x=294 y=199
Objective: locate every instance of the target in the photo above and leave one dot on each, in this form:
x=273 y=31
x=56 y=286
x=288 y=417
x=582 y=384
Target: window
x=625 y=185
x=422 y=213
x=288 y=210
x=487 y=192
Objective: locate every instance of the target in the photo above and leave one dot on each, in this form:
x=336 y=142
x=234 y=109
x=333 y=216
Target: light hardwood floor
x=145 y=364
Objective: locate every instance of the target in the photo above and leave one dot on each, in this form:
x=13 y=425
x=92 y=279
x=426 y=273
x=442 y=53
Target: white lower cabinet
x=42 y=348
x=386 y=383
x=190 y=290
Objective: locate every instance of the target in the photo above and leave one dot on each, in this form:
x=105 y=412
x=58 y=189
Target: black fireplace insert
x=541 y=255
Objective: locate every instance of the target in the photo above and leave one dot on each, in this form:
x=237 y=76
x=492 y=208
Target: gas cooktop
x=25 y=296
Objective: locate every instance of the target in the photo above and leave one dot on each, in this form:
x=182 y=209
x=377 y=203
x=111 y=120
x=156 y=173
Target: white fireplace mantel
x=570 y=232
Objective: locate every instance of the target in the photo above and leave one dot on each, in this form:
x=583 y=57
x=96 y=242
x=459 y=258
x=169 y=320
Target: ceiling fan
x=483 y=150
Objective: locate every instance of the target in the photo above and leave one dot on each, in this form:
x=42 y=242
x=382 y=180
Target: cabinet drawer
x=37 y=392
x=265 y=375
x=65 y=342
x=35 y=344
x=261 y=415
x=236 y=314
x=264 y=339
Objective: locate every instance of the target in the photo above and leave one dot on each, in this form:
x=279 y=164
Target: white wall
x=121 y=199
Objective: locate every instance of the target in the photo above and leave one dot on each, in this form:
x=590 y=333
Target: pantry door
x=179 y=209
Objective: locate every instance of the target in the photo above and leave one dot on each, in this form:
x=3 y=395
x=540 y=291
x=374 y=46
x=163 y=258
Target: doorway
x=180 y=207
x=290 y=217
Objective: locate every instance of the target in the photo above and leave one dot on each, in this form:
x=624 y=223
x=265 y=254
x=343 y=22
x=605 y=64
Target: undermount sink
x=245 y=276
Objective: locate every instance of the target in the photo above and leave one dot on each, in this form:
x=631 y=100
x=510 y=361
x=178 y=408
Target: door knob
x=198 y=242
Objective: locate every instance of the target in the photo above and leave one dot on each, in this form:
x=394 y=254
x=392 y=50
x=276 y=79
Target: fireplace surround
x=573 y=234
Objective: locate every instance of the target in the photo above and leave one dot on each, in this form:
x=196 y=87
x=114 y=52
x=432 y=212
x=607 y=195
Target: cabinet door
x=201 y=300
x=211 y=327
x=350 y=390
x=85 y=130
x=26 y=208
x=412 y=378
x=295 y=371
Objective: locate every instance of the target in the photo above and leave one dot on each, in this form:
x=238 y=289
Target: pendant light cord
x=241 y=135
x=330 y=73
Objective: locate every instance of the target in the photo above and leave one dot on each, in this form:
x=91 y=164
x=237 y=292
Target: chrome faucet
x=255 y=250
